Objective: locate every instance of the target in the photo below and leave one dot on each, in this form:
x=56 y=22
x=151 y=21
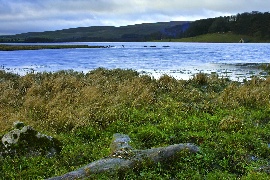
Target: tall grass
x=228 y=120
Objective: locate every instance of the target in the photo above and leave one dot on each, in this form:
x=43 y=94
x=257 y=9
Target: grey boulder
x=24 y=140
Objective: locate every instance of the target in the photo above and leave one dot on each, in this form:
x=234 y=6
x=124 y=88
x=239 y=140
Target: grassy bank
x=228 y=120
x=217 y=38
x=38 y=47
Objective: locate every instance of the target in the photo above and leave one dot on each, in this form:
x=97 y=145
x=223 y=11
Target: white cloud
x=18 y=16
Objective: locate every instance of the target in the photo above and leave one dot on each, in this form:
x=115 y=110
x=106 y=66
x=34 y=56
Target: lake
x=180 y=60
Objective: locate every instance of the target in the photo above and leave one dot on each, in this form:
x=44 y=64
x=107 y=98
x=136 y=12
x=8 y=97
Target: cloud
x=17 y=16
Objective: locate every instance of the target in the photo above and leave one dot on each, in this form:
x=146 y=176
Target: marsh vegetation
x=229 y=121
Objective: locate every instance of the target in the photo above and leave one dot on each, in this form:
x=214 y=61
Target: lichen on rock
x=25 y=140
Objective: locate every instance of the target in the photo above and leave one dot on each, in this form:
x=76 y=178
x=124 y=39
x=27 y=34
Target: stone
x=120 y=142
x=11 y=138
x=24 y=140
x=18 y=125
x=265 y=169
x=124 y=157
x=1 y=150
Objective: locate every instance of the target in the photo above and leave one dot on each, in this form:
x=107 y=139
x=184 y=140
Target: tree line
x=256 y=24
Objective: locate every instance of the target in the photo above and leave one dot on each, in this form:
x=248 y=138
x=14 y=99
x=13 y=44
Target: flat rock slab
x=123 y=157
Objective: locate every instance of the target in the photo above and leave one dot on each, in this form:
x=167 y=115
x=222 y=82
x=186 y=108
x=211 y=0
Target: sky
x=19 y=16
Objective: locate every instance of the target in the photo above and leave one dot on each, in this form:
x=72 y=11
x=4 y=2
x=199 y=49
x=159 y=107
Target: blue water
x=180 y=60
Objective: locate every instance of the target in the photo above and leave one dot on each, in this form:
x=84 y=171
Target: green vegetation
x=38 y=47
x=216 y=38
x=254 y=24
x=228 y=120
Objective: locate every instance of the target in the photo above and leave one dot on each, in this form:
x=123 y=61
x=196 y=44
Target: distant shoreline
x=38 y=47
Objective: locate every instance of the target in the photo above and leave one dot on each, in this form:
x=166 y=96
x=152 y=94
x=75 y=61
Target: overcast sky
x=18 y=16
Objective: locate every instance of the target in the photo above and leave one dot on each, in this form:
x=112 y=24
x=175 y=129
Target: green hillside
x=253 y=27
x=137 y=32
x=217 y=38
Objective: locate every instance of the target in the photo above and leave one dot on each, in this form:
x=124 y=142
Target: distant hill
x=254 y=27
x=137 y=32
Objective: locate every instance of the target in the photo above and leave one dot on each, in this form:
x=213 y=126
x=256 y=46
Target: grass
x=38 y=47
x=217 y=38
x=228 y=120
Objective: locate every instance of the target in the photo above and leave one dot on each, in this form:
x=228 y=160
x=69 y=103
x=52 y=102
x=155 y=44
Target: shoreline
x=39 y=47
x=235 y=72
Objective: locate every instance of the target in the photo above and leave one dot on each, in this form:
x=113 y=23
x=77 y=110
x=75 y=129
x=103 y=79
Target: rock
x=265 y=169
x=1 y=150
x=24 y=140
x=123 y=157
x=11 y=138
x=18 y=125
x=120 y=142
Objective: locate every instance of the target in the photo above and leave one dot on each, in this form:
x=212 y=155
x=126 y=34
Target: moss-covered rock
x=24 y=140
